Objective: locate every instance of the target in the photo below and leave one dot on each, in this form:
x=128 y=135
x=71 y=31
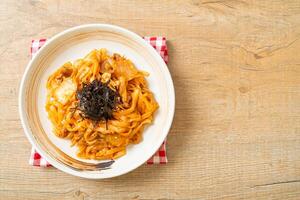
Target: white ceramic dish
x=72 y=44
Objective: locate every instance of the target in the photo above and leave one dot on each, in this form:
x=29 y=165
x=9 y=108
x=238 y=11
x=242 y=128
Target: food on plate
x=101 y=103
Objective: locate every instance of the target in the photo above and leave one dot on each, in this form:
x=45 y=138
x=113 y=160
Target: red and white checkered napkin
x=160 y=157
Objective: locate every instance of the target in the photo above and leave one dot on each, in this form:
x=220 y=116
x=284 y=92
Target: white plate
x=75 y=43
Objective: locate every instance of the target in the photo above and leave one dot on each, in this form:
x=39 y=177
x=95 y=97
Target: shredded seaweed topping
x=97 y=100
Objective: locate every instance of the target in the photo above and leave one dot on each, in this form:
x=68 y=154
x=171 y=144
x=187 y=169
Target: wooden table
x=236 y=70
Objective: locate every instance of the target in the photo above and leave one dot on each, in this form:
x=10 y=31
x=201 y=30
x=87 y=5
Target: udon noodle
x=100 y=139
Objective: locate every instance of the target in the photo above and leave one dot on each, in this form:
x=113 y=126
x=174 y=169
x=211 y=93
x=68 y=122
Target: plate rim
x=25 y=77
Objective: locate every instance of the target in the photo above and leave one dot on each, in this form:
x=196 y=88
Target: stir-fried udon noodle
x=100 y=139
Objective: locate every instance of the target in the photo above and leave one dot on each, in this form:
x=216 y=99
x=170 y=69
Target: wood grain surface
x=236 y=70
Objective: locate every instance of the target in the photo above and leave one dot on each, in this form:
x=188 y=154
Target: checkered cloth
x=160 y=157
